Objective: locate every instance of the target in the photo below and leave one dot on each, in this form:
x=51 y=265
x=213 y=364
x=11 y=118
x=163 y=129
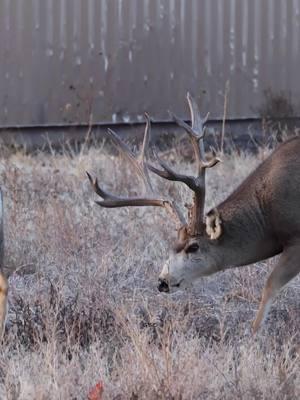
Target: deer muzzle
x=163 y=286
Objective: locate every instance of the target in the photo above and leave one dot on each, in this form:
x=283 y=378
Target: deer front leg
x=286 y=269
x=3 y=302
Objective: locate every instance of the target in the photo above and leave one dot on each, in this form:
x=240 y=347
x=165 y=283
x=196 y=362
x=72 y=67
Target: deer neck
x=247 y=236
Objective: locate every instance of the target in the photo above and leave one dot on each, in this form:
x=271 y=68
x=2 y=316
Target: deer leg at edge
x=3 y=302
x=287 y=268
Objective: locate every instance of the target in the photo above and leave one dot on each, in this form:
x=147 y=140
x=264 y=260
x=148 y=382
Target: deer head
x=193 y=254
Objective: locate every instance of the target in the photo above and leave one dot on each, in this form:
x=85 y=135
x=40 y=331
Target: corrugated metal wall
x=60 y=59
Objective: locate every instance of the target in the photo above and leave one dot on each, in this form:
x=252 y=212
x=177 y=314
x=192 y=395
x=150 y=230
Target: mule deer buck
x=260 y=219
x=3 y=280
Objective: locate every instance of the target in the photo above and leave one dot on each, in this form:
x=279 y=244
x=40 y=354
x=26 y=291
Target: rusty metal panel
x=62 y=60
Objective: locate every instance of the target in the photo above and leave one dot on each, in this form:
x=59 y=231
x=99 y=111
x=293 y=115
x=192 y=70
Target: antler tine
x=124 y=148
x=147 y=134
x=144 y=150
x=137 y=163
x=98 y=190
x=197 y=140
x=196 y=134
x=184 y=125
x=199 y=134
x=112 y=201
x=169 y=174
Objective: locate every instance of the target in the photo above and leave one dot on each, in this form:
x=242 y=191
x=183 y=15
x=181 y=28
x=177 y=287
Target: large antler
x=196 y=133
x=111 y=201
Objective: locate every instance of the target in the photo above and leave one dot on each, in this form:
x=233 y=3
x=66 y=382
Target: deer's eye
x=192 y=248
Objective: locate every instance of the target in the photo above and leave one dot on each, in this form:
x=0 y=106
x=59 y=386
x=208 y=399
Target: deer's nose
x=163 y=286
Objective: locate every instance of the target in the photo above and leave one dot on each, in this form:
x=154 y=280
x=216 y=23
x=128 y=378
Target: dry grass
x=83 y=303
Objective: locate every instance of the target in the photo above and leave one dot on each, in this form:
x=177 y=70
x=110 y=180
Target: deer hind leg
x=3 y=302
x=286 y=269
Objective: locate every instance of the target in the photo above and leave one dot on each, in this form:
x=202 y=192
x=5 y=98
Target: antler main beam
x=196 y=133
x=112 y=201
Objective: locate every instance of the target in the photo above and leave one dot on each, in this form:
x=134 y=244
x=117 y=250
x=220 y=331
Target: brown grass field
x=83 y=302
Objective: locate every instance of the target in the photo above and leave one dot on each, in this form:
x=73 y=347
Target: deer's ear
x=213 y=224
